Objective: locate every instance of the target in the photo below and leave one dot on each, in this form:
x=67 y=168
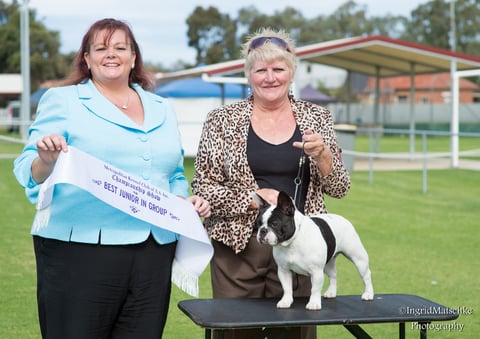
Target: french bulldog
x=309 y=246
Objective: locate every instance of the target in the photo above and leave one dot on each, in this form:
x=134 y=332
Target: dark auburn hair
x=80 y=71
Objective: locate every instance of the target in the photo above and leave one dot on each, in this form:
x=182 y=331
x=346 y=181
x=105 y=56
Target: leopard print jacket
x=223 y=176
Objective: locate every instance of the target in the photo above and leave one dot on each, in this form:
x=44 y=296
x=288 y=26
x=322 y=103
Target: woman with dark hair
x=102 y=273
x=81 y=69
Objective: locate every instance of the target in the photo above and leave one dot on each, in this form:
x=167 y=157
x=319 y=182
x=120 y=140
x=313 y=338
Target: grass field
x=419 y=243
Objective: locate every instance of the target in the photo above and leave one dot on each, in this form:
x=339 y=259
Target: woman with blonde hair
x=254 y=145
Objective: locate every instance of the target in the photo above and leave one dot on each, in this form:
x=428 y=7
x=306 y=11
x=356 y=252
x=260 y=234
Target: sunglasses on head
x=256 y=43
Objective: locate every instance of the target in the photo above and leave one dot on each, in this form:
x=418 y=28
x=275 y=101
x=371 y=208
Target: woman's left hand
x=312 y=144
x=201 y=205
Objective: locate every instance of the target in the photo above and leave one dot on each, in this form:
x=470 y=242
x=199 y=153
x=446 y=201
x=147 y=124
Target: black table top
x=344 y=310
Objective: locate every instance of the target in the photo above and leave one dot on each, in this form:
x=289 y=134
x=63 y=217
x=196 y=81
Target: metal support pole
x=25 y=69
x=412 y=111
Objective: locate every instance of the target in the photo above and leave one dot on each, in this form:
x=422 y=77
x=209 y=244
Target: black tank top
x=276 y=166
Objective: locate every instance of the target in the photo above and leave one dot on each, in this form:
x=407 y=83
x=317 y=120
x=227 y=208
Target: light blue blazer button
x=146 y=156
x=146 y=175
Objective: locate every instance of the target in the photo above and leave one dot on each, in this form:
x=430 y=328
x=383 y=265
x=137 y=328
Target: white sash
x=140 y=199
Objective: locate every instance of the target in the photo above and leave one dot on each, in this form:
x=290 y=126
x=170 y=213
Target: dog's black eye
x=274 y=224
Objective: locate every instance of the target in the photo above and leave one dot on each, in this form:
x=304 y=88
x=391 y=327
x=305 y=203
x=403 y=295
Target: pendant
x=124 y=107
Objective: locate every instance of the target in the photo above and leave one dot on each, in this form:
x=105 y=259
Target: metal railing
x=374 y=135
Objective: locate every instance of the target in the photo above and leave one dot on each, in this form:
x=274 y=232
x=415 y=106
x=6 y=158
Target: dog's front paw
x=285 y=302
x=314 y=304
x=367 y=296
x=330 y=293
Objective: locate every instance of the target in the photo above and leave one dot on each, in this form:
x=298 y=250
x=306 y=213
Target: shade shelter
x=193 y=98
x=377 y=56
x=309 y=93
x=198 y=88
x=372 y=55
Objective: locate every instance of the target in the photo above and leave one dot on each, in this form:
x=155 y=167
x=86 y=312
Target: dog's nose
x=262 y=231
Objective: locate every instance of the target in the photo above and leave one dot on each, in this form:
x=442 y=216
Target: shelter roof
x=35 y=96
x=309 y=93
x=371 y=55
x=197 y=88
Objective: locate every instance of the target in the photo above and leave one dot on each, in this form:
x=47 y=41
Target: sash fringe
x=41 y=219
x=185 y=280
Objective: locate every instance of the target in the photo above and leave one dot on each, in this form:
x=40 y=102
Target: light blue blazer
x=94 y=125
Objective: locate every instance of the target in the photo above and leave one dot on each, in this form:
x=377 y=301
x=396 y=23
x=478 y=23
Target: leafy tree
x=430 y=24
x=9 y=38
x=290 y=20
x=246 y=16
x=467 y=26
x=212 y=34
x=6 y=10
x=391 y=26
x=350 y=20
x=46 y=62
x=313 y=31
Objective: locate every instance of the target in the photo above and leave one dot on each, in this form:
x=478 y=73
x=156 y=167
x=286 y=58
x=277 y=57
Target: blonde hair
x=269 y=51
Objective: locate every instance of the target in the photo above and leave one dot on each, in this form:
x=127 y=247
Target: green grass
x=419 y=243
x=425 y=244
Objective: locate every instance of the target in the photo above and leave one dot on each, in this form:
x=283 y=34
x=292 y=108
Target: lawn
x=419 y=243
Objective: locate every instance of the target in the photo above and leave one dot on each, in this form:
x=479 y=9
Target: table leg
x=423 y=330
x=401 y=330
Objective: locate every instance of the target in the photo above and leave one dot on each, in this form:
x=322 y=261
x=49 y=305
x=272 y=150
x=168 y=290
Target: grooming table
x=349 y=311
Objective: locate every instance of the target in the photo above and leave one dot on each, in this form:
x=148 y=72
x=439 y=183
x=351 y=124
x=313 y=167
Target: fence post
x=424 y=143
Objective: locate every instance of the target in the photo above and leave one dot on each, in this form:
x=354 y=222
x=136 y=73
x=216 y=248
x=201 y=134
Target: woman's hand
x=201 y=205
x=48 y=147
x=270 y=195
x=314 y=146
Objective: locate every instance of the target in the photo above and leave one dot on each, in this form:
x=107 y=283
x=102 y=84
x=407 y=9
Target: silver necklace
x=125 y=106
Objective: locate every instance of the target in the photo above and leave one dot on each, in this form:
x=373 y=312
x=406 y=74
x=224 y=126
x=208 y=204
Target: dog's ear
x=261 y=203
x=285 y=203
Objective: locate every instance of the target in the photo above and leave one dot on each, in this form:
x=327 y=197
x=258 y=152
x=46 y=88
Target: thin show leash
x=299 y=179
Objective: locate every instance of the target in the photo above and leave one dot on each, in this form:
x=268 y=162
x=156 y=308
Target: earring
x=88 y=66
x=249 y=91
x=133 y=66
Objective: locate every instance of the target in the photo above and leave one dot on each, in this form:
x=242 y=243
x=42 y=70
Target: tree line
x=218 y=37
